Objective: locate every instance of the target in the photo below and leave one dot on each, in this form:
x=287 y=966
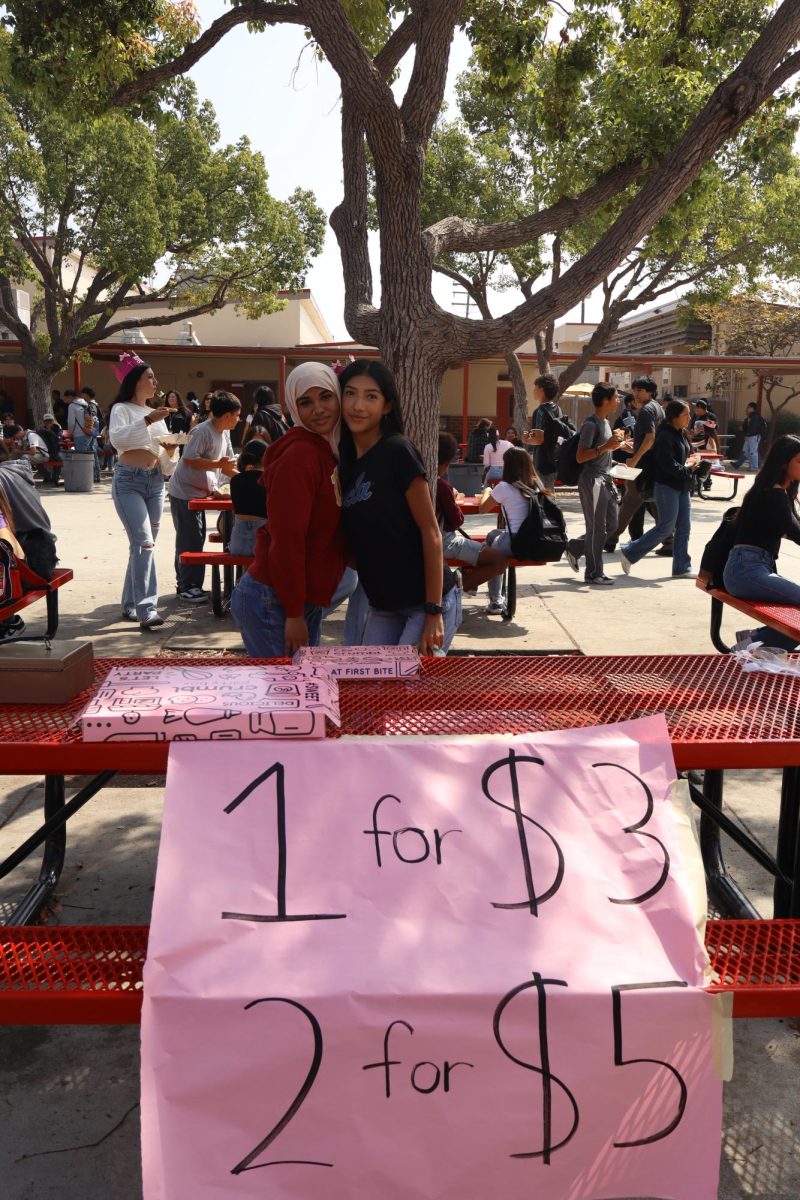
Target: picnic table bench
x=48 y=593
x=92 y=974
x=734 y=475
x=785 y=618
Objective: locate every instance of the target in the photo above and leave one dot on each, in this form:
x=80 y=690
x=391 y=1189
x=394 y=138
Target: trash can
x=78 y=471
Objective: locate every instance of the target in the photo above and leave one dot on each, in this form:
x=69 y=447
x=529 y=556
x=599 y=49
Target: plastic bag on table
x=771 y=659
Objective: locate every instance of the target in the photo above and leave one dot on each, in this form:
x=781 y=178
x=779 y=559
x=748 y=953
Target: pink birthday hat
x=127 y=362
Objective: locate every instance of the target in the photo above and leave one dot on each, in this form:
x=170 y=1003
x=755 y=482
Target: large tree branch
x=423 y=99
x=789 y=67
x=349 y=223
x=9 y=313
x=456 y=235
x=253 y=11
x=398 y=45
x=732 y=102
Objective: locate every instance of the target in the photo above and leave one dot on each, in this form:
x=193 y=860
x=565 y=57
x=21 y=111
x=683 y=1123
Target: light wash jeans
x=498 y=539
x=138 y=494
x=261 y=619
x=350 y=589
x=674 y=512
x=243 y=536
x=750 y=575
x=749 y=452
x=404 y=626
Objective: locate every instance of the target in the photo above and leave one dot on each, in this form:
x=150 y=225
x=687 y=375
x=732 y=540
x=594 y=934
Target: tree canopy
x=687 y=76
x=91 y=208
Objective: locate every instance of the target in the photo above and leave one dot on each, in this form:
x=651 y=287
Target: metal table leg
x=786 y=893
x=723 y=892
x=53 y=833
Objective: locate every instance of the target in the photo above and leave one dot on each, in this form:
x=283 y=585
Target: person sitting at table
x=517 y=468
x=389 y=519
x=299 y=551
x=248 y=498
x=207 y=456
x=481 y=562
x=769 y=513
x=493 y=453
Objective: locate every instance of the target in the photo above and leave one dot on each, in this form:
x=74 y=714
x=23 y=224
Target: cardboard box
x=362 y=662
x=42 y=673
x=214 y=703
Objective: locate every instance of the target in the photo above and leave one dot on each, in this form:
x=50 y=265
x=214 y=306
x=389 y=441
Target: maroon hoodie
x=299 y=551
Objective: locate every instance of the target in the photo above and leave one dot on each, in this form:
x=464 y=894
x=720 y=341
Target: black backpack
x=717 y=549
x=557 y=429
x=542 y=536
x=568 y=468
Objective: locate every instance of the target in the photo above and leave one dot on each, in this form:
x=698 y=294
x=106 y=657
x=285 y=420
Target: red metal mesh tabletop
x=718 y=716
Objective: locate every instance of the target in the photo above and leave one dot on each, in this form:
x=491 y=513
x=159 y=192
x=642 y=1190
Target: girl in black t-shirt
x=389 y=519
x=248 y=497
x=768 y=514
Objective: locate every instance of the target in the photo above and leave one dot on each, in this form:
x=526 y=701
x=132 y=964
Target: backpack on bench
x=542 y=536
x=717 y=549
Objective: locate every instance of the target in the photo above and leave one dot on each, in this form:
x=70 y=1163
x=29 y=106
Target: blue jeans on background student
x=750 y=575
x=749 y=452
x=138 y=494
x=243 y=535
x=261 y=619
x=674 y=512
x=350 y=589
x=403 y=627
x=87 y=444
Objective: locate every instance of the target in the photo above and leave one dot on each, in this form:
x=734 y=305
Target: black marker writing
x=438 y=1075
x=413 y=849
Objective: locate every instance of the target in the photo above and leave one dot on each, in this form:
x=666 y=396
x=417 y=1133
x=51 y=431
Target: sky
x=271 y=88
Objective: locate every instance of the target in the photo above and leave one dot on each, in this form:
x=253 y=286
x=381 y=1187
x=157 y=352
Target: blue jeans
x=261 y=619
x=243 y=536
x=404 y=626
x=750 y=575
x=138 y=494
x=674 y=512
x=749 y=452
x=498 y=539
x=350 y=589
x=493 y=474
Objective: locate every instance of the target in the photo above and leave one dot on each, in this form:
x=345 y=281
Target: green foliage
x=122 y=197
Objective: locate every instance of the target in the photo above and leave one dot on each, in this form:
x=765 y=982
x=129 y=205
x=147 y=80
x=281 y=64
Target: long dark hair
x=252 y=454
x=494 y=434
x=127 y=387
x=391 y=422
x=518 y=468
x=183 y=407
x=673 y=409
x=773 y=471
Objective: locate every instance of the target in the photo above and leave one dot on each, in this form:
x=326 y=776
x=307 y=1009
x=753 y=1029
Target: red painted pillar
x=465 y=407
x=282 y=382
x=76 y=375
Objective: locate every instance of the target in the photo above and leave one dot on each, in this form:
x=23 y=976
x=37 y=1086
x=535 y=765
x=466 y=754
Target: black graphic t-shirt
x=380 y=528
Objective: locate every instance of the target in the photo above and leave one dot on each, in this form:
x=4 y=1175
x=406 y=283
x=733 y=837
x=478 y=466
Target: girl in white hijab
x=299 y=556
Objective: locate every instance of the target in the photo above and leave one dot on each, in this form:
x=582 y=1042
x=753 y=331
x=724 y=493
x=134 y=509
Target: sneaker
x=129 y=614
x=600 y=581
x=744 y=638
x=571 y=559
x=11 y=629
x=154 y=621
x=496 y=608
x=690 y=574
x=625 y=562
x=194 y=595
x=663 y=552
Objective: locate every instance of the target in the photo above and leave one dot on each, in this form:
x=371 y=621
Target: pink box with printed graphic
x=214 y=703
x=362 y=662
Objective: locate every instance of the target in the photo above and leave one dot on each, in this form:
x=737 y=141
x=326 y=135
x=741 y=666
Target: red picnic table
x=718 y=717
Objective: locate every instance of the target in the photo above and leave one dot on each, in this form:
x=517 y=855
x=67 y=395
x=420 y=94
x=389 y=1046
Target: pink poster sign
x=362 y=662
x=450 y=969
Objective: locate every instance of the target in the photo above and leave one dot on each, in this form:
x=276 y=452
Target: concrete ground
x=70 y=1094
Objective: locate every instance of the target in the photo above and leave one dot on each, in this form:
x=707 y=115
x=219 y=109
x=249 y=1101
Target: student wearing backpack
x=596 y=488
x=768 y=514
x=548 y=425
x=517 y=468
x=754 y=429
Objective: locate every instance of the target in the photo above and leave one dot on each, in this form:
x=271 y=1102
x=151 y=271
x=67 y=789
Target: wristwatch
x=433 y=610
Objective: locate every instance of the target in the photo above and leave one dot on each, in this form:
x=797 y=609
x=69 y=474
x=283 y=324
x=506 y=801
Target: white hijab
x=298 y=381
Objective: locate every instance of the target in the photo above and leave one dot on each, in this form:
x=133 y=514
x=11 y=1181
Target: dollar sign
x=533 y=901
x=548 y=1078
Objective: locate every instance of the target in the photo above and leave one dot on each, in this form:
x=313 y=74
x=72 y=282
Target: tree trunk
x=419 y=387
x=39 y=378
x=521 y=419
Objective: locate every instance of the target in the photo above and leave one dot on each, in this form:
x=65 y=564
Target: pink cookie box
x=214 y=703
x=362 y=662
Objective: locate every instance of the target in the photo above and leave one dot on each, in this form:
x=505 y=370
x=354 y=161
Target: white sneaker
x=571 y=559
x=625 y=561
x=194 y=595
x=690 y=574
x=600 y=581
x=154 y=621
x=496 y=608
x=744 y=638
